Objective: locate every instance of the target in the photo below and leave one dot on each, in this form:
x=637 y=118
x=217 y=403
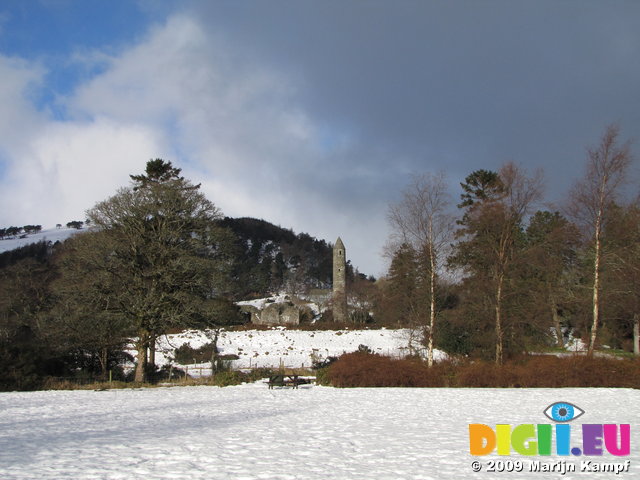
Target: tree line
x=13 y=232
x=160 y=257
x=496 y=275
x=491 y=276
x=156 y=260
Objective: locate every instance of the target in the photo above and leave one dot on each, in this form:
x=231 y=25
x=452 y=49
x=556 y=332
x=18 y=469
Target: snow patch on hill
x=52 y=235
x=260 y=303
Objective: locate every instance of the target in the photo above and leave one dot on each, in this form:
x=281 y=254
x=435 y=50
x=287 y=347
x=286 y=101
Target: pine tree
x=160 y=256
x=490 y=230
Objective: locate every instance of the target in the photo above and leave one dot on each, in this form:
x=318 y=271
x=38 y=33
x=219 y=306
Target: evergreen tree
x=26 y=352
x=480 y=186
x=491 y=237
x=87 y=315
x=547 y=271
x=159 y=256
x=399 y=303
x=621 y=280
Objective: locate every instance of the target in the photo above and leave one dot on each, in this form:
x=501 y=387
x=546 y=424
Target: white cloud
x=69 y=167
x=53 y=171
x=19 y=116
x=80 y=164
x=179 y=94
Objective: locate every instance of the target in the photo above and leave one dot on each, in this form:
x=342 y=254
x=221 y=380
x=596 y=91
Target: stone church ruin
x=276 y=313
x=291 y=311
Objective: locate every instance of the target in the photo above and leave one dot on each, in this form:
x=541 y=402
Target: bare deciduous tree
x=590 y=202
x=520 y=194
x=422 y=220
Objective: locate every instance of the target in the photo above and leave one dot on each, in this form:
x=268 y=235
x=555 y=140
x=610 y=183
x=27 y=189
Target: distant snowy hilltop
x=52 y=235
x=268 y=257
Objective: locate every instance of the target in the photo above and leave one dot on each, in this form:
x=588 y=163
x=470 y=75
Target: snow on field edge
x=290 y=348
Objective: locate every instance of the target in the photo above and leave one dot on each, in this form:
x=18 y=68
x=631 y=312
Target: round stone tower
x=339 y=282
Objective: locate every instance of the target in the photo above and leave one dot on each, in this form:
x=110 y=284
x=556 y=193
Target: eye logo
x=563 y=412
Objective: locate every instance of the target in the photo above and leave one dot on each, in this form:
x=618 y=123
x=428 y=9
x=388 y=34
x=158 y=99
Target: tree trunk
x=596 y=289
x=499 y=331
x=556 y=320
x=104 y=359
x=151 y=363
x=432 y=306
x=141 y=366
x=214 y=353
x=636 y=334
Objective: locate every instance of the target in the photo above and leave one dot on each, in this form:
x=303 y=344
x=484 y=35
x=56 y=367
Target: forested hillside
x=157 y=257
x=270 y=258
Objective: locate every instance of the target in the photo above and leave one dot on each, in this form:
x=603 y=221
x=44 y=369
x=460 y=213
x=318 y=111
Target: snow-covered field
x=290 y=348
x=250 y=432
x=50 y=235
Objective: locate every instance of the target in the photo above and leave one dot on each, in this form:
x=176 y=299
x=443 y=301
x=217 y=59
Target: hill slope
x=269 y=258
x=273 y=259
x=52 y=235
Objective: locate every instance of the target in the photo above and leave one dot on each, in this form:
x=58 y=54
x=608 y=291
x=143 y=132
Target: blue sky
x=36 y=28
x=312 y=115
x=52 y=32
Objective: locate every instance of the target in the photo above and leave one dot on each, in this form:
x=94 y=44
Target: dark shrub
x=185 y=354
x=371 y=370
x=360 y=369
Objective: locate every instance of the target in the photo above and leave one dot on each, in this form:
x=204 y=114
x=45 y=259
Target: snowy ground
x=250 y=432
x=50 y=235
x=290 y=348
x=261 y=303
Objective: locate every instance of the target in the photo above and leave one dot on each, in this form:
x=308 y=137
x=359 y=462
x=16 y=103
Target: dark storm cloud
x=450 y=85
x=313 y=114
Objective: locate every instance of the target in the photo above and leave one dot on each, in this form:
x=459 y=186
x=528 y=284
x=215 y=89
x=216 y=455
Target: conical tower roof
x=339 y=244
